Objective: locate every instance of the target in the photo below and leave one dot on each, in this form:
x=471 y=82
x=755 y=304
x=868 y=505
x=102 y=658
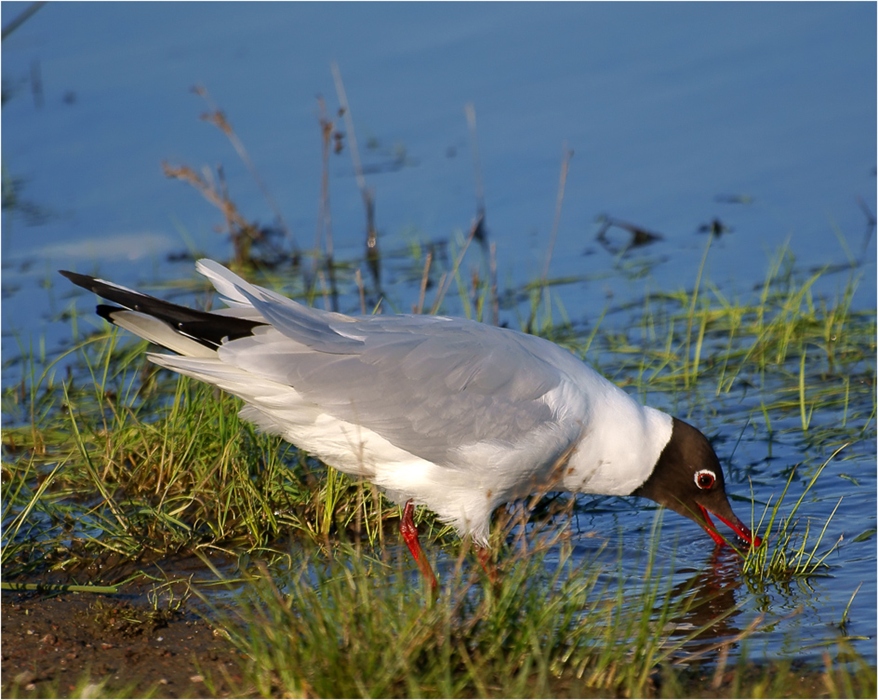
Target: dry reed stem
x=368 y=195
x=218 y=118
x=425 y=277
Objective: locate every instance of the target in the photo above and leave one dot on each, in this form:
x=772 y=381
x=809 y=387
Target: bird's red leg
x=409 y=533
x=484 y=556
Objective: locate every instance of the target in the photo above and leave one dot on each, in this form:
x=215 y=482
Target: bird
x=447 y=413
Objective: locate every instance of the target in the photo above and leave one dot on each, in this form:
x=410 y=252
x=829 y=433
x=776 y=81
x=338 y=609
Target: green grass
x=356 y=627
x=794 y=550
x=162 y=468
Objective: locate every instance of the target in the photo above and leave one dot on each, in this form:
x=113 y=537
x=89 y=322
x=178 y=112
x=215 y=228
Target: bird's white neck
x=620 y=446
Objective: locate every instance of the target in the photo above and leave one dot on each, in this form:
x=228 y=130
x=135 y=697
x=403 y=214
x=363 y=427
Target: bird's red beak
x=735 y=524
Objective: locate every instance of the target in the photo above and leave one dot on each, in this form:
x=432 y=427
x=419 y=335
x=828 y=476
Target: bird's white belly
x=463 y=495
x=463 y=492
x=353 y=449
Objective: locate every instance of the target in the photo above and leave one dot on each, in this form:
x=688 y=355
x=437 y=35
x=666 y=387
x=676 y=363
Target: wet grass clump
x=791 y=549
x=357 y=627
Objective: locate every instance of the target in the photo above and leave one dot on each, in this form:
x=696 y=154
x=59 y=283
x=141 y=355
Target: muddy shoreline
x=53 y=643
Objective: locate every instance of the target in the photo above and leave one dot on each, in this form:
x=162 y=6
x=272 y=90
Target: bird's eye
x=705 y=479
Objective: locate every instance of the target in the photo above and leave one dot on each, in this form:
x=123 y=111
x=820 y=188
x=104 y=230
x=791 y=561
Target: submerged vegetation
x=794 y=551
x=111 y=466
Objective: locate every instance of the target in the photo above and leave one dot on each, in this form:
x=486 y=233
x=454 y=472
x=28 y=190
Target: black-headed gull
x=444 y=412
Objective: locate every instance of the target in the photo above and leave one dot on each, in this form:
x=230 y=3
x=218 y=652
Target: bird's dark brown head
x=688 y=479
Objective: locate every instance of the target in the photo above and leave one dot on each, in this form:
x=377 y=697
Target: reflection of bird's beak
x=734 y=523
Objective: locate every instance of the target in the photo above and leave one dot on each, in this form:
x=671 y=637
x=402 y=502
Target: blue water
x=759 y=115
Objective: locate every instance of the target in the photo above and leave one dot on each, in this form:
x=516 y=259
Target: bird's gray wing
x=427 y=384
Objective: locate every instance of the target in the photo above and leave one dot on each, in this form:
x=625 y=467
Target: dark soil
x=53 y=643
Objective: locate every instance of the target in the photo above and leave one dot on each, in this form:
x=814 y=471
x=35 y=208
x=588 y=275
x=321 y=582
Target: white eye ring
x=705 y=479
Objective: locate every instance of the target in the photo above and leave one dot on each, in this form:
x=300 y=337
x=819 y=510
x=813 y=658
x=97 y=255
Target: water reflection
x=711 y=616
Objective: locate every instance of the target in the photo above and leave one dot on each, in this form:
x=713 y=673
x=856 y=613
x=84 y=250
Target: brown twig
x=324 y=220
x=373 y=257
x=495 y=299
x=477 y=229
x=425 y=278
x=559 y=201
x=241 y=231
x=447 y=278
x=218 y=118
x=358 y=278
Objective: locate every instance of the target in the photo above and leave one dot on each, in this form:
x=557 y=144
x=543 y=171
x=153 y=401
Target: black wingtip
x=84 y=281
x=211 y=330
x=106 y=311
